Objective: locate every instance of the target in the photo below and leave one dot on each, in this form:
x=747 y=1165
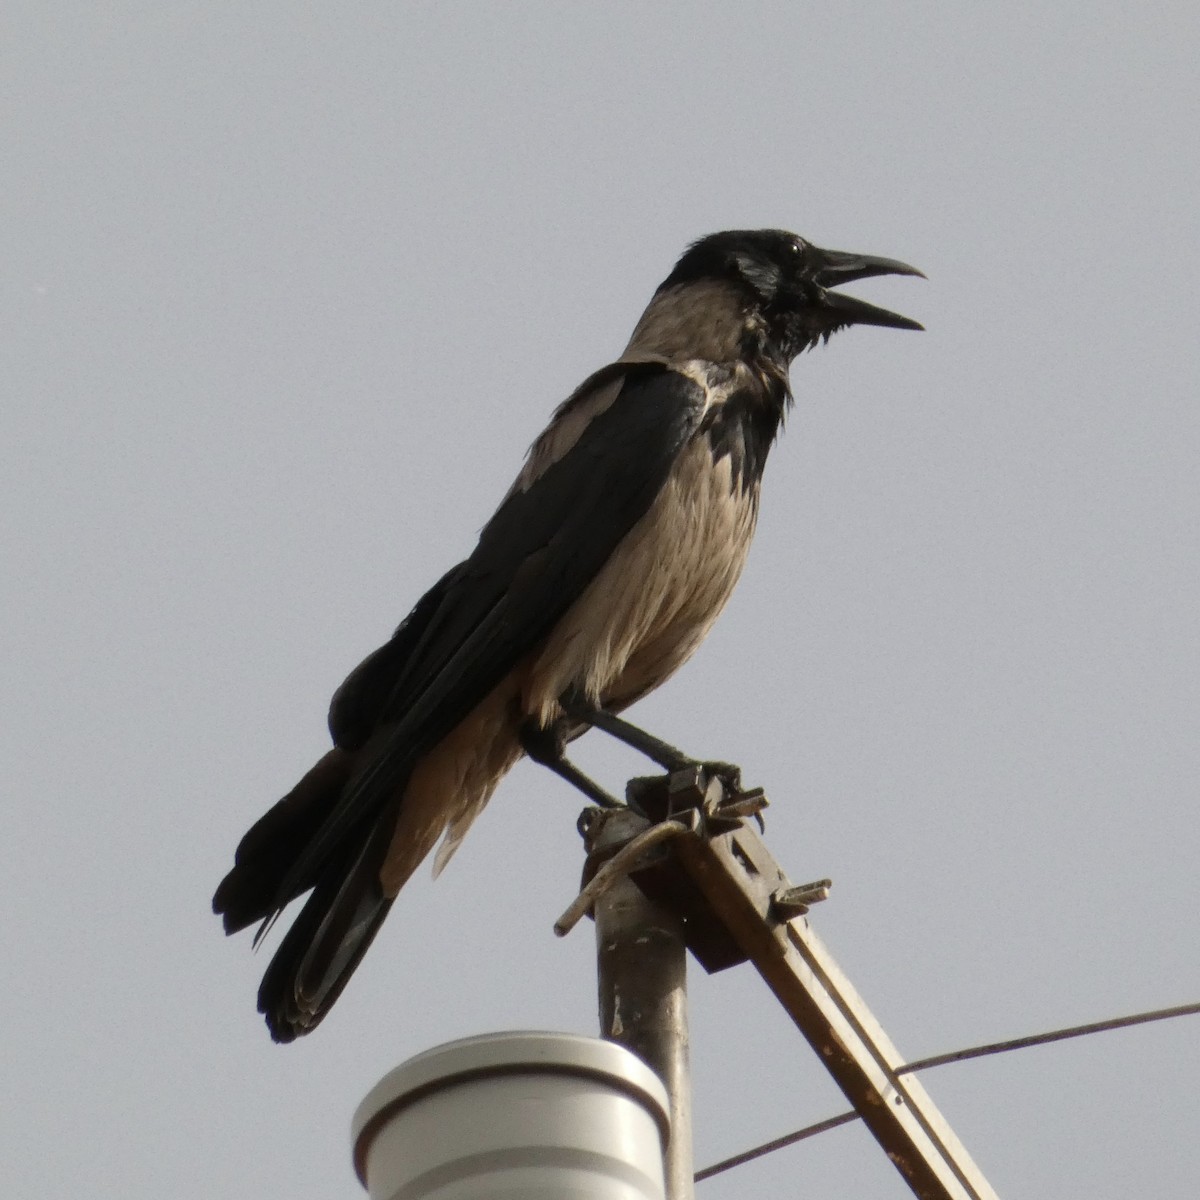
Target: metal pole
x=641 y=966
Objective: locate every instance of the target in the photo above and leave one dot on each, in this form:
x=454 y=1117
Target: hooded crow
x=599 y=575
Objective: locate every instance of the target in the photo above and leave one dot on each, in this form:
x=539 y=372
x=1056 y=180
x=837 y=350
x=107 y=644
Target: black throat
x=745 y=425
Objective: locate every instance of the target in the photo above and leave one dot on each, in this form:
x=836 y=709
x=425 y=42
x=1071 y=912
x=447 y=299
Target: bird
x=599 y=575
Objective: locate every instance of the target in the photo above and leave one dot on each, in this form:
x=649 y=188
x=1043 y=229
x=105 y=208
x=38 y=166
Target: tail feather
x=341 y=916
x=329 y=836
x=253 y=889
x=327 y=940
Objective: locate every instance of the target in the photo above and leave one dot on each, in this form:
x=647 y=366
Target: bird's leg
x=667 y=756
x=661 y=752
x=546 y=745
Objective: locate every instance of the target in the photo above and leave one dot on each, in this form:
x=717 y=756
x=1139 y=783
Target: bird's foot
x=715 y=788
x=730 y=774
x=711 y=786
x=711 y=789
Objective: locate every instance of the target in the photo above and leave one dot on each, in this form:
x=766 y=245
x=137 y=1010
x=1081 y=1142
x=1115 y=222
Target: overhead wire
x=940 y=1060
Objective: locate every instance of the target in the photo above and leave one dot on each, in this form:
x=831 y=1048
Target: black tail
x=306 y=842
x=327 y=940
x=337 y=923
x=253 y=890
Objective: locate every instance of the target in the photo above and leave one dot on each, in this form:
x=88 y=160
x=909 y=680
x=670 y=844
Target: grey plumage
x=601 y=572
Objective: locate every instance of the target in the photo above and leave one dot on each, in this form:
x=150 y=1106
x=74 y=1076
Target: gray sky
x=287 y=293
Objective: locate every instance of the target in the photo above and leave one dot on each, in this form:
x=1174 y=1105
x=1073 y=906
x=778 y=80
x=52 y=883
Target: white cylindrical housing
x=539 y=1116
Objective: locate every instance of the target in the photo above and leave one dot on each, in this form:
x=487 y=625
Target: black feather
x=533 y=560
x=265 y=856
x=367 y=694
x=325 y=943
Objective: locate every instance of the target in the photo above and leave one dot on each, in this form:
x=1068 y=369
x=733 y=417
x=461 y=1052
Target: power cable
x=940 y=1060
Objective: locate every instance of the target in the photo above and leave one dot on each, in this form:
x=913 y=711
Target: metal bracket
x=735 y=904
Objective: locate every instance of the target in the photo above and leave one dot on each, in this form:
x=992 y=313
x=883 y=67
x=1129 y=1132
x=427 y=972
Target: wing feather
x=537 y=554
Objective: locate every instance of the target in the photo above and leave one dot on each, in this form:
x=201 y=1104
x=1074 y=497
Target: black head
x=786 y=282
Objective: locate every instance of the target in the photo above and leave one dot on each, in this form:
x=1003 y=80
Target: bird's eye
x=799 y=246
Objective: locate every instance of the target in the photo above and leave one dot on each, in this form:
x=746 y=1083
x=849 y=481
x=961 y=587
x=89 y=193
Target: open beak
x=836 y=267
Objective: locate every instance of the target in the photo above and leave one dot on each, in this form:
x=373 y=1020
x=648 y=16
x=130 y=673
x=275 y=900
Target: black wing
x=364 y=698
x=534 y=558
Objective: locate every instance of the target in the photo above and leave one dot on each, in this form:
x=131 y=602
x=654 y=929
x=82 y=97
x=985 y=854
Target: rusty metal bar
x=743 y=886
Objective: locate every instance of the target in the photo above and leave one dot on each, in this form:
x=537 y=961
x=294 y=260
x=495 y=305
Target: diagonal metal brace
x=743 y=887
